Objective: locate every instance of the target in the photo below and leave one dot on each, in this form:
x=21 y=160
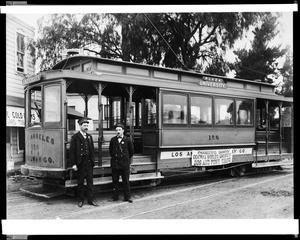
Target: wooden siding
x=200 y=137
x=14 y=79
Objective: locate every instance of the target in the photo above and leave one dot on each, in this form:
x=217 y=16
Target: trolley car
x=178 y=120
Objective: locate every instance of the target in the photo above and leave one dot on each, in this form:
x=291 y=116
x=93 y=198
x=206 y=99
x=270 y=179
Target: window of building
x=201 y=110
x=224 y=111
x=20 y=52
x=244 y=112
x=174 y=109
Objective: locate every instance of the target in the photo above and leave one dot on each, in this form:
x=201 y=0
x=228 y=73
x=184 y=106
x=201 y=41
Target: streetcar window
x=150 y=111
x=244 y=112
x=224 y=111
x=274 y=117
x=287 y=116
x=201 y=110
x=36 y=106
x=52 y=104
x=174 y=109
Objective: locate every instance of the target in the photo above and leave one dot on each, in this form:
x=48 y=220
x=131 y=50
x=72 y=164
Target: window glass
x=201 y=110
x=36 y=106
x=274 y=117
x=52 y=104
x=174 y=109
x=20 y=52
x=244 y=112
x=150 y=108
x=224 y=111
x=287 y=116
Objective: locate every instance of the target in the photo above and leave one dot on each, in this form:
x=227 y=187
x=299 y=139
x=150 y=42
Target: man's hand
x=75 y=168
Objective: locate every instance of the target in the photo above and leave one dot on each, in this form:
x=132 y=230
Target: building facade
x=19 y=64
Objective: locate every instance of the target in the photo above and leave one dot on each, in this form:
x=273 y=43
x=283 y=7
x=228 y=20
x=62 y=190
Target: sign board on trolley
x=207 y=157
x=211 y=157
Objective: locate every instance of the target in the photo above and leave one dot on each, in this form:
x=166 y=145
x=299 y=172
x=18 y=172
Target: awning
x=73 y=114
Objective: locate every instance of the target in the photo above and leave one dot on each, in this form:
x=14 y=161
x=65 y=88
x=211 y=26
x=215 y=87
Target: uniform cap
x=119 y=125
x=83 y=120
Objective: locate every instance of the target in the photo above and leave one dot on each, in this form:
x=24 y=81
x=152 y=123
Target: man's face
x=84 y=127
x=120 y=131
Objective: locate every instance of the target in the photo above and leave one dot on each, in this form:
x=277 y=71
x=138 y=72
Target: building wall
x=14 y=87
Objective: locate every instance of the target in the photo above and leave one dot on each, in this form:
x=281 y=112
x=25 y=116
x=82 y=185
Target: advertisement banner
x=211 y=157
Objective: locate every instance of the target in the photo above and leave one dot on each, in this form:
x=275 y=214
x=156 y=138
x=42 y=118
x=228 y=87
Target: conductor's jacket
x=77 y=149
x=121 y=153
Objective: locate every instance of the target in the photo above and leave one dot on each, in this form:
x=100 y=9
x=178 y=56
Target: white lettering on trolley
x=207 y=157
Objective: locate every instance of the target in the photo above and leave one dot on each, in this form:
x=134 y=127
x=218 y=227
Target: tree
x=287 y=74
x=176 y=40
x=260 y=61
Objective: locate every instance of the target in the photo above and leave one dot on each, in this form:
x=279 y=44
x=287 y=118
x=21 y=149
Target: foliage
x=260 y=61
x=287 y=74
x=175 y=40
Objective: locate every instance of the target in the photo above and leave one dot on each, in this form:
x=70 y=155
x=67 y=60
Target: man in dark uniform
x=82 y=160
x=121 y=152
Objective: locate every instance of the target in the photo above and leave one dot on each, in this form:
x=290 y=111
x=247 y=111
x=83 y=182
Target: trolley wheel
x=237 y=171
x=155 y=182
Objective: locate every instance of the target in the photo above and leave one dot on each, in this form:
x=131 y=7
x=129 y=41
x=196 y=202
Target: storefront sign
x=15 y=117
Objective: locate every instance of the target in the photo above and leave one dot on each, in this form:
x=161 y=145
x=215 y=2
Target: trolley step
x=107 y=180
x=287 y=162
x=42 y=191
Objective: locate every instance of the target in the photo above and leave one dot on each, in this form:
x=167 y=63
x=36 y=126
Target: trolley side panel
x=44 y=148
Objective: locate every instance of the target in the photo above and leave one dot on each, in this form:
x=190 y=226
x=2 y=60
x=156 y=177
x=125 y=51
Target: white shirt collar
x=83 y=134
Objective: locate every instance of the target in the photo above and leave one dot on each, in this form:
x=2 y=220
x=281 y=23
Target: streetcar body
x=177 y=119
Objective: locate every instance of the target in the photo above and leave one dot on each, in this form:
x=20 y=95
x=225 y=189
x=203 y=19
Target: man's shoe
x=80 y=204
x=93 y=203
x=128 y=200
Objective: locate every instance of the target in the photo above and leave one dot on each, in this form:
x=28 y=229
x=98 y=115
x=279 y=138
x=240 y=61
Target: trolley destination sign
x=32 y=79
x=212 y=82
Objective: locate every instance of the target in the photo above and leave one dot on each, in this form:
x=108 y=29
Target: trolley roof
x=82 y=67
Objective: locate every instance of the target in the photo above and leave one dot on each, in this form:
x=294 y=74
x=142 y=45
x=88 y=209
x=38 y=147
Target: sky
x=285 y=27
x=285 y=36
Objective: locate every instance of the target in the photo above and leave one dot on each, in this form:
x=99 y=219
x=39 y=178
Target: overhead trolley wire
x=184 y=67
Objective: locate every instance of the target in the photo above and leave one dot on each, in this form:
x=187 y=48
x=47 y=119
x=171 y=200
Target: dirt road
x=261 y=196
